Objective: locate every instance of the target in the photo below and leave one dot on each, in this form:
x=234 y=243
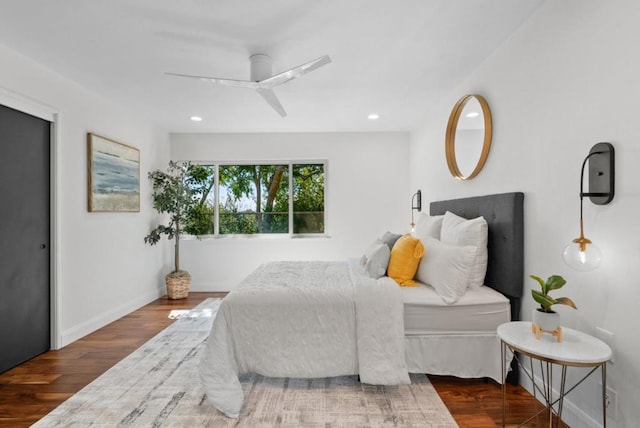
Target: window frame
x=290 y=234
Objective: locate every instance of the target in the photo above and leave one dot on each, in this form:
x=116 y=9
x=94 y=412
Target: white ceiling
x=392 y=57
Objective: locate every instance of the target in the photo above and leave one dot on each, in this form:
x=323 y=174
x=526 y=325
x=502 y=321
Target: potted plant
x=544 y=317
x=178 y=191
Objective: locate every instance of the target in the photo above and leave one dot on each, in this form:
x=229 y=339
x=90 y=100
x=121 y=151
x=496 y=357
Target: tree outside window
x=200 y=219
x=308 y=198
x=255 y=199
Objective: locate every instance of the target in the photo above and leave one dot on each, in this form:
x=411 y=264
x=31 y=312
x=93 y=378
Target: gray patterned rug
x=158 y=386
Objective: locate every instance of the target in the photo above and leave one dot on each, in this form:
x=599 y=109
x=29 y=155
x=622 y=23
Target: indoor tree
x=181 y=192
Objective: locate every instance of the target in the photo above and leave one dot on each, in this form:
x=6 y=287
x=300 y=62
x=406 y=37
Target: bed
x=322 y=319
x=468 y=326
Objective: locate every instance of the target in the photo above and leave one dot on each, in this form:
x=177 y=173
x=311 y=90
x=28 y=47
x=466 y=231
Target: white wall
x=367 y=178
x=104 y=270
x=567 y=79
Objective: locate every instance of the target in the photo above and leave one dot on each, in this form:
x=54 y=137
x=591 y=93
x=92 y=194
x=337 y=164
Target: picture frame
x=113 y=175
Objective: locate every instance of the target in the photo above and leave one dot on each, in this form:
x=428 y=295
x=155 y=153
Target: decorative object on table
x=416 y=205
x=180 y=192
x=468 y=137
x=544 y=319
x=582 y=254
x=114 y=176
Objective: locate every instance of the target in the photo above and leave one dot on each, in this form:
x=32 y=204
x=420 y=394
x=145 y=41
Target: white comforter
x=304 y=319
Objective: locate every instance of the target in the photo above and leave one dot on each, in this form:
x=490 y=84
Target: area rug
x=158 y=386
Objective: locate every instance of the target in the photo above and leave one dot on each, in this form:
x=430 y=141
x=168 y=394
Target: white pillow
x=428 y=226
x=376 y=260
x=446 y=268
x=459 y=231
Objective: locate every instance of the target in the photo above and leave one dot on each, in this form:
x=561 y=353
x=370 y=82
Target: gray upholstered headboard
x=504 y=214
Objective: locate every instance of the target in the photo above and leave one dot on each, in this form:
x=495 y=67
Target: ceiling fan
x=262 y=80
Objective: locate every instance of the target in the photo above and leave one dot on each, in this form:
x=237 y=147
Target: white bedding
x=479 y=310
x=459 y=339
x=304 y=319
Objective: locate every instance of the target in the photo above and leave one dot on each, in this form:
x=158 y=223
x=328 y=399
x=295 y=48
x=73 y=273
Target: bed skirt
x=472 y=355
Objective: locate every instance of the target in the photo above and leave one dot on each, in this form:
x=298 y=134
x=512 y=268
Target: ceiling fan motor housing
x=261 y=66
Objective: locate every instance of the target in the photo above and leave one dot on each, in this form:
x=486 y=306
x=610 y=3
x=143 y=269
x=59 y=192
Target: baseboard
x=572 y=415
x=79 y=331
x=207 y=286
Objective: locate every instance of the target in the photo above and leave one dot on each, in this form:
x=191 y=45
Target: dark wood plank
x=33 y=389
x=478 y=402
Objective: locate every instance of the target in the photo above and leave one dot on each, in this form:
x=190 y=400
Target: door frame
x=49 y=113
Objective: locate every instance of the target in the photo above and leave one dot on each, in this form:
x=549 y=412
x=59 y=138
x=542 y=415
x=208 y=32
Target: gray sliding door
x=24 y=237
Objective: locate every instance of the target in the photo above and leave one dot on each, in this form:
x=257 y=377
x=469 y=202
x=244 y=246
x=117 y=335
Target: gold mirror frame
x=450 y=140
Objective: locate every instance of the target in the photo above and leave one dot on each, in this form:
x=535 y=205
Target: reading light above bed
x=416 y=204
x=582 y=254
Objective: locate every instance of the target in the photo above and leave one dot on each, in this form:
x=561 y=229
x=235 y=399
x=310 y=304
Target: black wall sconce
x=416 y=204
x=582 y=254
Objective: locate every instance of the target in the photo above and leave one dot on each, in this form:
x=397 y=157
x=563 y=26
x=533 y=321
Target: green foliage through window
x=308 y=198
x=200 y=219
x=255 y=199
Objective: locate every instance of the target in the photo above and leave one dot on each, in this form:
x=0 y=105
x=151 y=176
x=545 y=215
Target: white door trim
x=49 y=113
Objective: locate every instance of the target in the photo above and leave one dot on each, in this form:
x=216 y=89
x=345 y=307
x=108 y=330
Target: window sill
x=265 y=236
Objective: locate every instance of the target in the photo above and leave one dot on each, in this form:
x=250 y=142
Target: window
x=200 y=220
x=308 y=198
x=278 y=198
x=254 y=199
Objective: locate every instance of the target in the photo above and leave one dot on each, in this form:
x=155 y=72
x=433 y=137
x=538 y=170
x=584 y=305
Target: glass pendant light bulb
x=582 y=256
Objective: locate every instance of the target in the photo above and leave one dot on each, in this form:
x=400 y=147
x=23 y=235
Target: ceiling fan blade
x=272 y=99
x=292 y=73
x=226 y=82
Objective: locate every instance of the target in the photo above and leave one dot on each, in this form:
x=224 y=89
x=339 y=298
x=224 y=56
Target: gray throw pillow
x=377 y=260
x=389 y=239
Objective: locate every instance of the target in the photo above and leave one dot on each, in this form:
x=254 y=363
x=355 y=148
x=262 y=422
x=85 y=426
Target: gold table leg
x=603 y=368
x=504 y=383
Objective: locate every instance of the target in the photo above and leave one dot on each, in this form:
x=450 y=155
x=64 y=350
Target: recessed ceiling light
x=473 y=114
x=373 y=116
x=196 y=118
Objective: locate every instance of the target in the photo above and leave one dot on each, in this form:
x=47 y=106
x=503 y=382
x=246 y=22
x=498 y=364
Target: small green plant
x=554 y=282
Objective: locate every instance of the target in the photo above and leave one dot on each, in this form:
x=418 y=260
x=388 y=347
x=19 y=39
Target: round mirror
x=468 y=137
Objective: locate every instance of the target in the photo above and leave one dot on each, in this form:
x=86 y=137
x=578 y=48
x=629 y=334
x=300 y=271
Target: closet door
x=24 y=237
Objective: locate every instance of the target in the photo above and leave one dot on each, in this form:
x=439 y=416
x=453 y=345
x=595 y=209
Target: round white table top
x=576 y=348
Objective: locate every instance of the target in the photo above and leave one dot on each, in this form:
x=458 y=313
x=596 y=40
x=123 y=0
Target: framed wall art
x=114 y=175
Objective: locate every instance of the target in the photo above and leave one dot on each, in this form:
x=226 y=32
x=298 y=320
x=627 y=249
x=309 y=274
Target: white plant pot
x=547 y=321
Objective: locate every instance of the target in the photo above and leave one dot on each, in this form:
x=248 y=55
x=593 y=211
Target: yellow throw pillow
x=404 y=260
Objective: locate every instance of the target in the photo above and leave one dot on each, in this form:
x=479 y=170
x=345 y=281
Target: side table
x=577 y=349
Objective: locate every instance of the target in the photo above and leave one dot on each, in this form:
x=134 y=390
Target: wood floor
x=33 y=389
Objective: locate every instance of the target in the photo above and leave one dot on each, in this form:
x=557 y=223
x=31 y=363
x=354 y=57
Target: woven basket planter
x=178 y=284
